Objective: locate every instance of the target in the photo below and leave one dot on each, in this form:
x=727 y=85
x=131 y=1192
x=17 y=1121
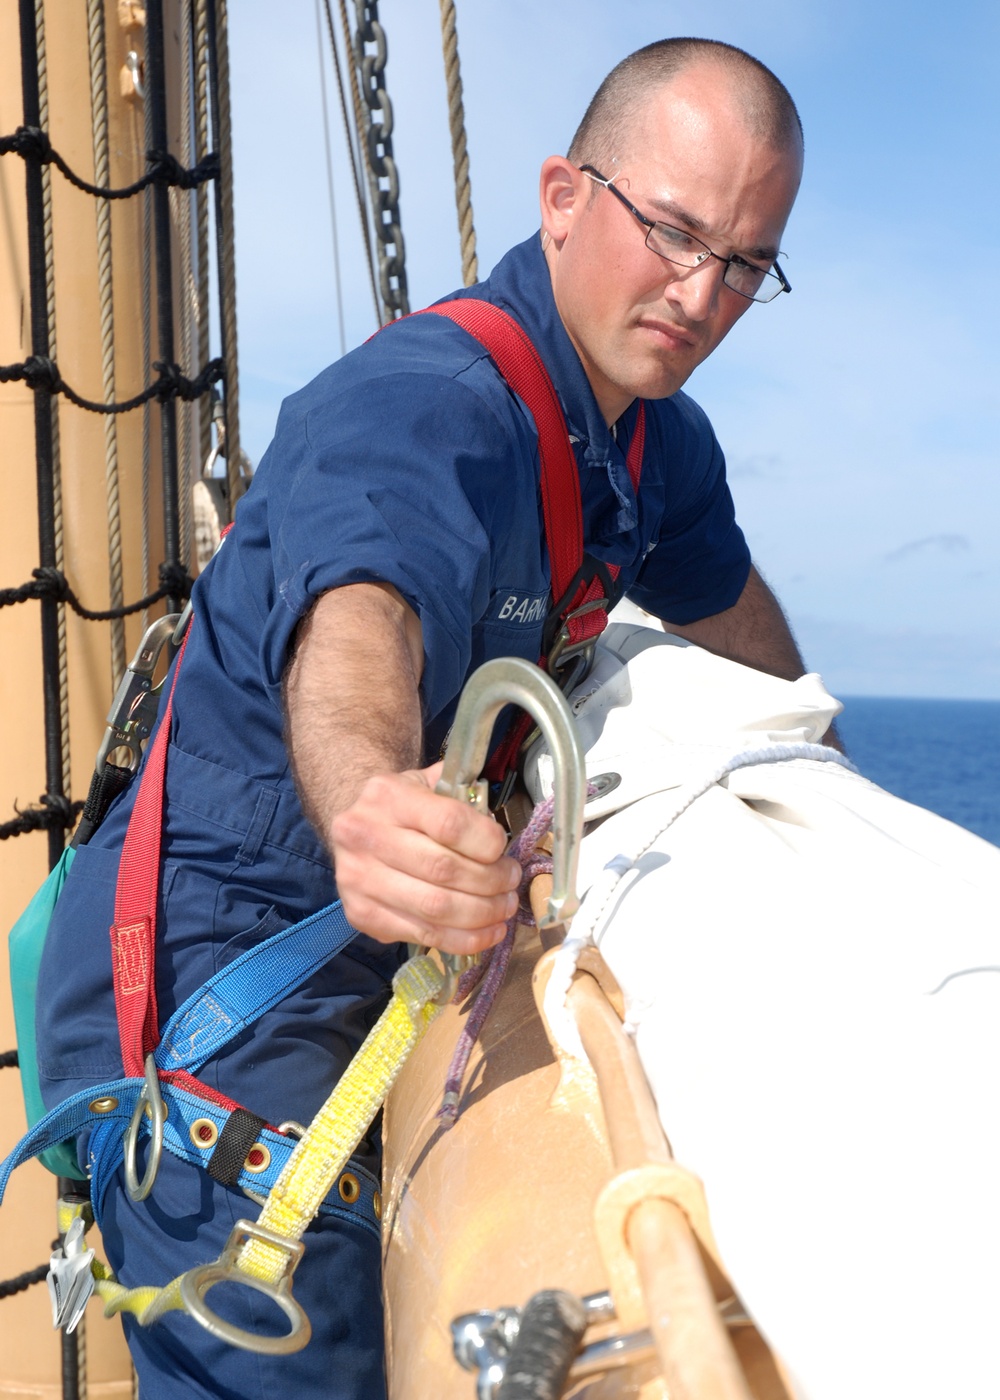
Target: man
x=371 y=568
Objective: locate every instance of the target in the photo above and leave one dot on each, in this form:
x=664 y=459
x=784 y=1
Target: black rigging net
x=56 y=812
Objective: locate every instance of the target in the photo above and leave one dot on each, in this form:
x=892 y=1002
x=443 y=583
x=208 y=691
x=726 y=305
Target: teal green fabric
x=27 y=939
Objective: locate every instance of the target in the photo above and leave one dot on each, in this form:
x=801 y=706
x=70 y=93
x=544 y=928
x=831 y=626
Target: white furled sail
x=812 y=970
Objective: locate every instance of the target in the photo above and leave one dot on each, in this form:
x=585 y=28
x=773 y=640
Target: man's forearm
x=351 y=697
x=409 y=863
x=754 y=631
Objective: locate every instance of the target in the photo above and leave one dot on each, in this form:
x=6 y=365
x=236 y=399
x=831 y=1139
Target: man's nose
x=695 y=290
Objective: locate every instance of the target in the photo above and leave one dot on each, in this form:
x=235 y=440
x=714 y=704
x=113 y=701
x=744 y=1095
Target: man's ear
x=559 y=193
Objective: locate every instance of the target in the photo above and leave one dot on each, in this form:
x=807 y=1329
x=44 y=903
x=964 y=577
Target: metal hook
x=510 y=680
x=133 y=710
x=196 y=1283
x=148 y=1094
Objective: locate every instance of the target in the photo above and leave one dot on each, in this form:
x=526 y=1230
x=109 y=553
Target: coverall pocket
x=241 y=943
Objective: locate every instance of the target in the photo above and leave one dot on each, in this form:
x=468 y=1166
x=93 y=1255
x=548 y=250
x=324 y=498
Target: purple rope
x=487 y=975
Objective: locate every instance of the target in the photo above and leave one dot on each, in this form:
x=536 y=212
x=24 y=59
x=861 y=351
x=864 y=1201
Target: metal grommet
x=166 y=1110
x=107 y=1105
x=258 y=1159
x=349 y=1187
x=203 y=1132
x=377 y=1205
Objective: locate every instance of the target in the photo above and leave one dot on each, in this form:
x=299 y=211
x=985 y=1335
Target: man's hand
x=409 y=863
x=414 y=865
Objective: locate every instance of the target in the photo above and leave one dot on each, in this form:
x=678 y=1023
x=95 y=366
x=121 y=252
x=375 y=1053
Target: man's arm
x=409 y=863
x=755 y=632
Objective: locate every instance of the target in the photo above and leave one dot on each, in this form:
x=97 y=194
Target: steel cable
x=353 y=156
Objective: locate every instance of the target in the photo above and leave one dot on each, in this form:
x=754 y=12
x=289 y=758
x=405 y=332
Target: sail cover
x=812 y=970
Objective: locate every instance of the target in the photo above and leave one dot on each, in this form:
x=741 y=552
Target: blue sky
x=859 y=416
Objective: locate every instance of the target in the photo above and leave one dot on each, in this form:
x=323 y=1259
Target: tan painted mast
x=109 y=542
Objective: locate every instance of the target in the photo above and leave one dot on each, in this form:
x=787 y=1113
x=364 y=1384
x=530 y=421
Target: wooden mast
x=85 y=539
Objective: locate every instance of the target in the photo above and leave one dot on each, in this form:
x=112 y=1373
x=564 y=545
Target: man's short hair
x=766 y=104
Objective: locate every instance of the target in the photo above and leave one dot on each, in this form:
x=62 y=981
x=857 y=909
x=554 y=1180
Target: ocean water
x=941 y=754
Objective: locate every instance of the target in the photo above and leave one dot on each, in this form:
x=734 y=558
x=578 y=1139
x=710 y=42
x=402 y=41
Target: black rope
x=31 y=143
x=41 y=373
x=9 y=1059
x=23 y=1281
x=175 y=581
x=57 y=813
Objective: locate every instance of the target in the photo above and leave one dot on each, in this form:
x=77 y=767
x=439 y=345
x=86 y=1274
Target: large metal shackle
x=510 y=680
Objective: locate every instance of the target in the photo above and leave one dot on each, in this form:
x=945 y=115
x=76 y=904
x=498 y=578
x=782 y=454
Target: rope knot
x=173 y=384
x=39 y=372
x=62 y=812
x=52 y=583
x=31 y=141
x=175 y=580
x=166 y=169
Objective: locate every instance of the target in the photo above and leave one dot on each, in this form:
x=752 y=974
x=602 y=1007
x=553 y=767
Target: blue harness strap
x=107 y=1109
x=248 y=987
x=219 y=1011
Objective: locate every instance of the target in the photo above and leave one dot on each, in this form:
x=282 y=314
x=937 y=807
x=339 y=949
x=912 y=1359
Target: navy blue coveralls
x=410 y=462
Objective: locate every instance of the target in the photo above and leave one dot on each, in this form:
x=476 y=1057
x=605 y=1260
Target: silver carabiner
x=196 y=1283
x=510 y=680
x=133 y=710
x=149 y=1095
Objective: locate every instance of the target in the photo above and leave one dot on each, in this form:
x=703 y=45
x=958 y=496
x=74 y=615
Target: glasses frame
x=650 y=225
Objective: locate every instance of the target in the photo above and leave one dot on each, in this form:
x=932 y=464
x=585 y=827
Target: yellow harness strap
x=326 y=1146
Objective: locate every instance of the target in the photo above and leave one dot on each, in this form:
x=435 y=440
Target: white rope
x=459 y=146
x=204 y=405
x=188 y=467
x=597 y=904
x=227 y=271
x=57 y=497
x=329 y=176
x=97 y=42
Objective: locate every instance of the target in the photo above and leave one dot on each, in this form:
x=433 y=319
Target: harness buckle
x=197 y=1282
x=149 y=1095
x=564 y=650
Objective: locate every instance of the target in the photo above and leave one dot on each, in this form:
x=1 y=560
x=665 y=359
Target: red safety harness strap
x=133 y=933
x=521 y=365
x=580 y=596
x=580 y=614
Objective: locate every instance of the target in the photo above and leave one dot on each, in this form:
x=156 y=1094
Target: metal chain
x=370 y=55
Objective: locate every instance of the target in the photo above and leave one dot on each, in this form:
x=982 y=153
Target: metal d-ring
x=510 y=680
x=196 y=1283
x=148 y=1094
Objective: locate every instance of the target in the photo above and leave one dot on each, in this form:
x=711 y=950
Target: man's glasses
x=745 y=278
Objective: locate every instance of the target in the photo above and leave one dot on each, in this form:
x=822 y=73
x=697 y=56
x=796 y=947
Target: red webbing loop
x=133 y=933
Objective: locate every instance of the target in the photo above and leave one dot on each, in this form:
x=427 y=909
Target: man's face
x=641 y=324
